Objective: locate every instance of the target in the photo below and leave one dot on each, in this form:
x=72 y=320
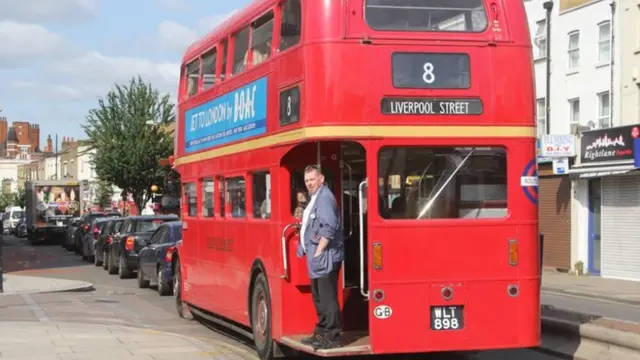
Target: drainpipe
x=548 y=6
x=612 y=60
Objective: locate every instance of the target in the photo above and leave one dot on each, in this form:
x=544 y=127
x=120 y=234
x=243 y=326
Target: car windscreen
x=148 y=225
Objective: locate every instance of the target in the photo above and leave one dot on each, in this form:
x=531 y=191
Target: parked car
x=84 y=227
x=156 y=258
x=91 y=238
x=72 y=226
x=135 y=231
x=109 y=231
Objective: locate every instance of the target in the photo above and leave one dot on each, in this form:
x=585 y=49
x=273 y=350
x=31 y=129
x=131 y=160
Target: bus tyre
x=181 y=307
x=261 y=318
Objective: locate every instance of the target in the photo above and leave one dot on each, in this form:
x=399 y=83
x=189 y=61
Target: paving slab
x=22 y=284
x=61 y=341
x=622 y=291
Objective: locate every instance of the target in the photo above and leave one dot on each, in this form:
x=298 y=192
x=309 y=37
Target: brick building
x=18 y=140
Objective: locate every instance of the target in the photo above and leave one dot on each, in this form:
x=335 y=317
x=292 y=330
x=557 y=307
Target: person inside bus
x=301 y=199
x=323 y=244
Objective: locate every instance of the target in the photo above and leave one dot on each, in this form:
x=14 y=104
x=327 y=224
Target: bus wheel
x=261 y=318
x=181 y=307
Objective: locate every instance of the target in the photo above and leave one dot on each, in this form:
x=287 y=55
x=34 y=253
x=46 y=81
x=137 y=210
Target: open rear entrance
x=344 y=167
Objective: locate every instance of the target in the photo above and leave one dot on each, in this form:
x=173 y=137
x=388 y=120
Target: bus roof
x=226 y=27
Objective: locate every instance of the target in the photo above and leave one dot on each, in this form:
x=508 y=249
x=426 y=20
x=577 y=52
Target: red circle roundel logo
x=635 y=132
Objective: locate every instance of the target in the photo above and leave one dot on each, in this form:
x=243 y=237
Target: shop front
x=608 y=192
x=556 y=152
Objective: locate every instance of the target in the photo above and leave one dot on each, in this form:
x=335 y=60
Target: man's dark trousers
x=325 y=298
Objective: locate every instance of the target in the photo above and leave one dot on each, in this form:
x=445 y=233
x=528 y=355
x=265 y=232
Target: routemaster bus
x=420 y=114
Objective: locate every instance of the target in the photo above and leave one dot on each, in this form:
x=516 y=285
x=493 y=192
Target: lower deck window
x=442 y=183
x=236 y=189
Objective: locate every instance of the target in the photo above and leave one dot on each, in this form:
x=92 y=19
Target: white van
x=12 y=215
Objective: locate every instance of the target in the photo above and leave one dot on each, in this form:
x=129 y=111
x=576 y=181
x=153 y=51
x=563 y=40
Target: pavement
x=620 y=291
x=22 y=284
x=73 y=341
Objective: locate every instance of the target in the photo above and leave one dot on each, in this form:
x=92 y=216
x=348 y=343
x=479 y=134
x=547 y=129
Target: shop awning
x=592 y=172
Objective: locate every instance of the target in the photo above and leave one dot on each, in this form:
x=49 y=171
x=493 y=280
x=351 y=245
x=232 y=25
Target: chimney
x=49 y=144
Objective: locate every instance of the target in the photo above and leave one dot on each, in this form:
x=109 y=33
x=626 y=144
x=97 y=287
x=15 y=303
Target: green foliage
x=19 y=199
x=127 y=148
x=6 y=199
x=104 y=193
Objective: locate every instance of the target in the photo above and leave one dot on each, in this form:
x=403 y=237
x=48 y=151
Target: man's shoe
x=326 y=344
x=312 y=340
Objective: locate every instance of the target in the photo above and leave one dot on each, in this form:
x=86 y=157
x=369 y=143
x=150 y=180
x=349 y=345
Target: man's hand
x=321 y=246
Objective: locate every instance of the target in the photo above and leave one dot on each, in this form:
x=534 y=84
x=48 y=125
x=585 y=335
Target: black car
x=134 y=232
x=84 y=226
x=109 y=231
x=155 y=265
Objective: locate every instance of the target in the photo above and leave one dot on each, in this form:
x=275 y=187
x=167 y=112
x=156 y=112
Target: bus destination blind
x=431 y=71
x=430 y=106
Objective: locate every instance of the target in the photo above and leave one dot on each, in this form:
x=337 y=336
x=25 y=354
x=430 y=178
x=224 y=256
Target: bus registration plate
x=447 y=318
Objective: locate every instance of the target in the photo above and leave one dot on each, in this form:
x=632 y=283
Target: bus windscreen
x=426 y=15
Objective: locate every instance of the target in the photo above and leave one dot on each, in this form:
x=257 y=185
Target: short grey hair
x=311 y=168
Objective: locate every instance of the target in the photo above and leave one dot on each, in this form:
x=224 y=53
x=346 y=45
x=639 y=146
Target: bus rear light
x=377 y=256
x=447 y=293
x=129 y=243
x=513 y=290
x=513 y=252
x=378 y=295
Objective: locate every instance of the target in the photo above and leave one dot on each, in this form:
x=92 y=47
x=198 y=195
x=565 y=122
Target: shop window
x=207 y=198
x=190 y=192
x=236 y=190
x=262 y=195
x=291 y=26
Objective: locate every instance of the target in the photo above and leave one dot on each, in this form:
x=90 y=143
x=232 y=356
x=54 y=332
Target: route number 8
x=428 y=76
x=288 y=105
x=446 y=324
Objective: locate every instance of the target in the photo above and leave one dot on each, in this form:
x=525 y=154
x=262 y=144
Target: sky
x=58 y=57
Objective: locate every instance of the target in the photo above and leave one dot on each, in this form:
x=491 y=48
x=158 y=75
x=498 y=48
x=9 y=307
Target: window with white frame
x=541 y=39
x=604 y=110
x=541 y=116
x=574 y=50
x=574 y=111
x=604 y=42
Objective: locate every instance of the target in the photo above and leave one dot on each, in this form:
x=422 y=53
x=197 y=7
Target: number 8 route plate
x=447 y=318
x=431 y=71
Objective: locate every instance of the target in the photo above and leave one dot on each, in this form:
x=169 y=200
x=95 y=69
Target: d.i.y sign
x=234 y=116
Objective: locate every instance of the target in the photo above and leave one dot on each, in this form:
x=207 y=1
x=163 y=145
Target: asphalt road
x=121 y=302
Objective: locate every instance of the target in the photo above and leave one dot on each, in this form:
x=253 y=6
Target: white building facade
x=595 y=94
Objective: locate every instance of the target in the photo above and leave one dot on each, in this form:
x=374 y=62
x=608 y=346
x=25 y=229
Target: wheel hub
x=262 y=316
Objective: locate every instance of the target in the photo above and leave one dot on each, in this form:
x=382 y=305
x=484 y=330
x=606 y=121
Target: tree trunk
x=138 y=199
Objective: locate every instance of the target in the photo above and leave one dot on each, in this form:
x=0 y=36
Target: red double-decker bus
x=421 y=116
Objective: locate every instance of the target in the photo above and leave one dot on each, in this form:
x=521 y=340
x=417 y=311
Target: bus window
x=209 y=68
x=225 y=48
x=291 y=26
x=240 y=51
x=193 y=73
x=236 y=190
x=262 y=195
x=207 y=197
x=261 y=38
x=191 y=195
x=443 y=183
x=222 y=193
x=426 y=15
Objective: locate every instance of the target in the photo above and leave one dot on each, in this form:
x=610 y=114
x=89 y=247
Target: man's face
x=312 y=180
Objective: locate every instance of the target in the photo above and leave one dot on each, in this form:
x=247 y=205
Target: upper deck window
x=209 y=69
x=240 y=51
x=261 y=38
x=193 y=73
x=291 y=27
x=426 y=15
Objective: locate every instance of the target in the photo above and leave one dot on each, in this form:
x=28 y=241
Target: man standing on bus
x=322 y=242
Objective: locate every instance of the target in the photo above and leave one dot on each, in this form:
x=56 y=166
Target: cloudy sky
x=58 y=56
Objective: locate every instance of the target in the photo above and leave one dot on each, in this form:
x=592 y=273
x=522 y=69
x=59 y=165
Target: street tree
x=104 y=193
x=127 y=149
x=19 y=199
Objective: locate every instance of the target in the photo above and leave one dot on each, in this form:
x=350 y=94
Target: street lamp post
x=548 y=6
